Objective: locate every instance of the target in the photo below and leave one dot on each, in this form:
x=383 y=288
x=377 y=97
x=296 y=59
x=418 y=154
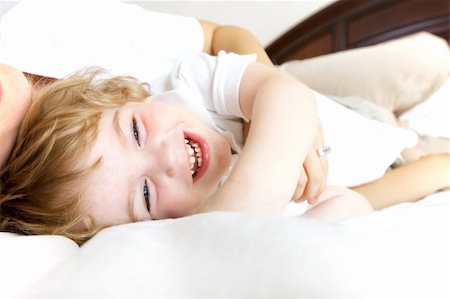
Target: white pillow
x=361 y=149
x=431 y=118
x=224 y=255
x=396 y=74
x=24 y=259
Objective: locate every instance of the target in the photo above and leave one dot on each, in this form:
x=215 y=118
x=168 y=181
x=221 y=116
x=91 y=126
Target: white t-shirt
x=208 y=86
x=56 y=39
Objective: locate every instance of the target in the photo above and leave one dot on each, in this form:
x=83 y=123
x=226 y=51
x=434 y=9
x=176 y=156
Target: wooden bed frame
x=348 y=24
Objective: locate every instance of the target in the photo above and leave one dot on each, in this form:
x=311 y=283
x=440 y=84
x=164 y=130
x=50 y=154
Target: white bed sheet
x=399 y=252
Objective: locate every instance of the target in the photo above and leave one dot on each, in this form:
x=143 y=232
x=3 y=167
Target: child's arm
x=409 y=182
x=241 y=41
x=284 y=123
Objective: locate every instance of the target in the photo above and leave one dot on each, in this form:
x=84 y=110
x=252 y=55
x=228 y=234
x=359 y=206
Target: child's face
x=146 y=163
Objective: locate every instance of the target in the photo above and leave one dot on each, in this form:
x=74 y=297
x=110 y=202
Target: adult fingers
x=301 y=184
x=316 y=179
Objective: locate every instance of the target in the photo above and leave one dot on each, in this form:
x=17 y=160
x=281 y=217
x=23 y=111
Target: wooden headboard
x=348 y=24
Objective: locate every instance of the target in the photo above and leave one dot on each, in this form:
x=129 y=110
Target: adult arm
x=232 y=39
x=409 y=182
x=284 y=120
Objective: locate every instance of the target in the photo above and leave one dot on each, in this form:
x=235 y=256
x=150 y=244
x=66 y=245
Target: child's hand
x=314 y=173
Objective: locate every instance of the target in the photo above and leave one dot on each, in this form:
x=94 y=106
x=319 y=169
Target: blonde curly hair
x=37 y=184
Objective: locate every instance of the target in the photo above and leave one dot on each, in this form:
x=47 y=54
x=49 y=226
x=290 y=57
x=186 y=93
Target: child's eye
x=147 y=196
x=135 y=132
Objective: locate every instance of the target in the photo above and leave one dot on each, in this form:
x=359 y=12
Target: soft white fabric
x=362 y=149
x=431 y=118
x=400 y=252
x=56 y=39
x=23 y=259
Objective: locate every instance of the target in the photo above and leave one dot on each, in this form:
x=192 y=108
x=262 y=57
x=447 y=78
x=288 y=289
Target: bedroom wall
x=266 y=19
x=6 y=5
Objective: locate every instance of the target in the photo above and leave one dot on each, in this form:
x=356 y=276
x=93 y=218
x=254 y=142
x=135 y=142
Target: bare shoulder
x=15 y=99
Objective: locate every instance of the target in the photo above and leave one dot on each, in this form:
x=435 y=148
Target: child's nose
x=168 y=151
x=167 y=159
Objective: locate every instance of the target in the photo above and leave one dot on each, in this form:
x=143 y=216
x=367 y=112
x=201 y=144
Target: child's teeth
x=195 y=154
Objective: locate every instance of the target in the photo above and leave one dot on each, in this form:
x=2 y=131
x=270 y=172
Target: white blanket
x=399 y=252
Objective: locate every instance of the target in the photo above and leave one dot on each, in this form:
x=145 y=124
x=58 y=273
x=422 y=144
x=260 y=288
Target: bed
x=398 y=252
x=349 y=24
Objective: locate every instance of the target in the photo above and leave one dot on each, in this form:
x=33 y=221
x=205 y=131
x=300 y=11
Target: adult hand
x=15 y=99
x=313 y=176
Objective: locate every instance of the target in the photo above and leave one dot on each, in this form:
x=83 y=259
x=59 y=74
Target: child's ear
x=148 y=100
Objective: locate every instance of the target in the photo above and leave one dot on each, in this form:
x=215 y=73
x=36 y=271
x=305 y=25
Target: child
x=97 y=152
x=40 y=186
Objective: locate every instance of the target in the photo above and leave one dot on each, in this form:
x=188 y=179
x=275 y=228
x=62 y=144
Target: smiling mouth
x=194 y=152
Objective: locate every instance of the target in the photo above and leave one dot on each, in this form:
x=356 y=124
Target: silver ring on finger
x=323 y=150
